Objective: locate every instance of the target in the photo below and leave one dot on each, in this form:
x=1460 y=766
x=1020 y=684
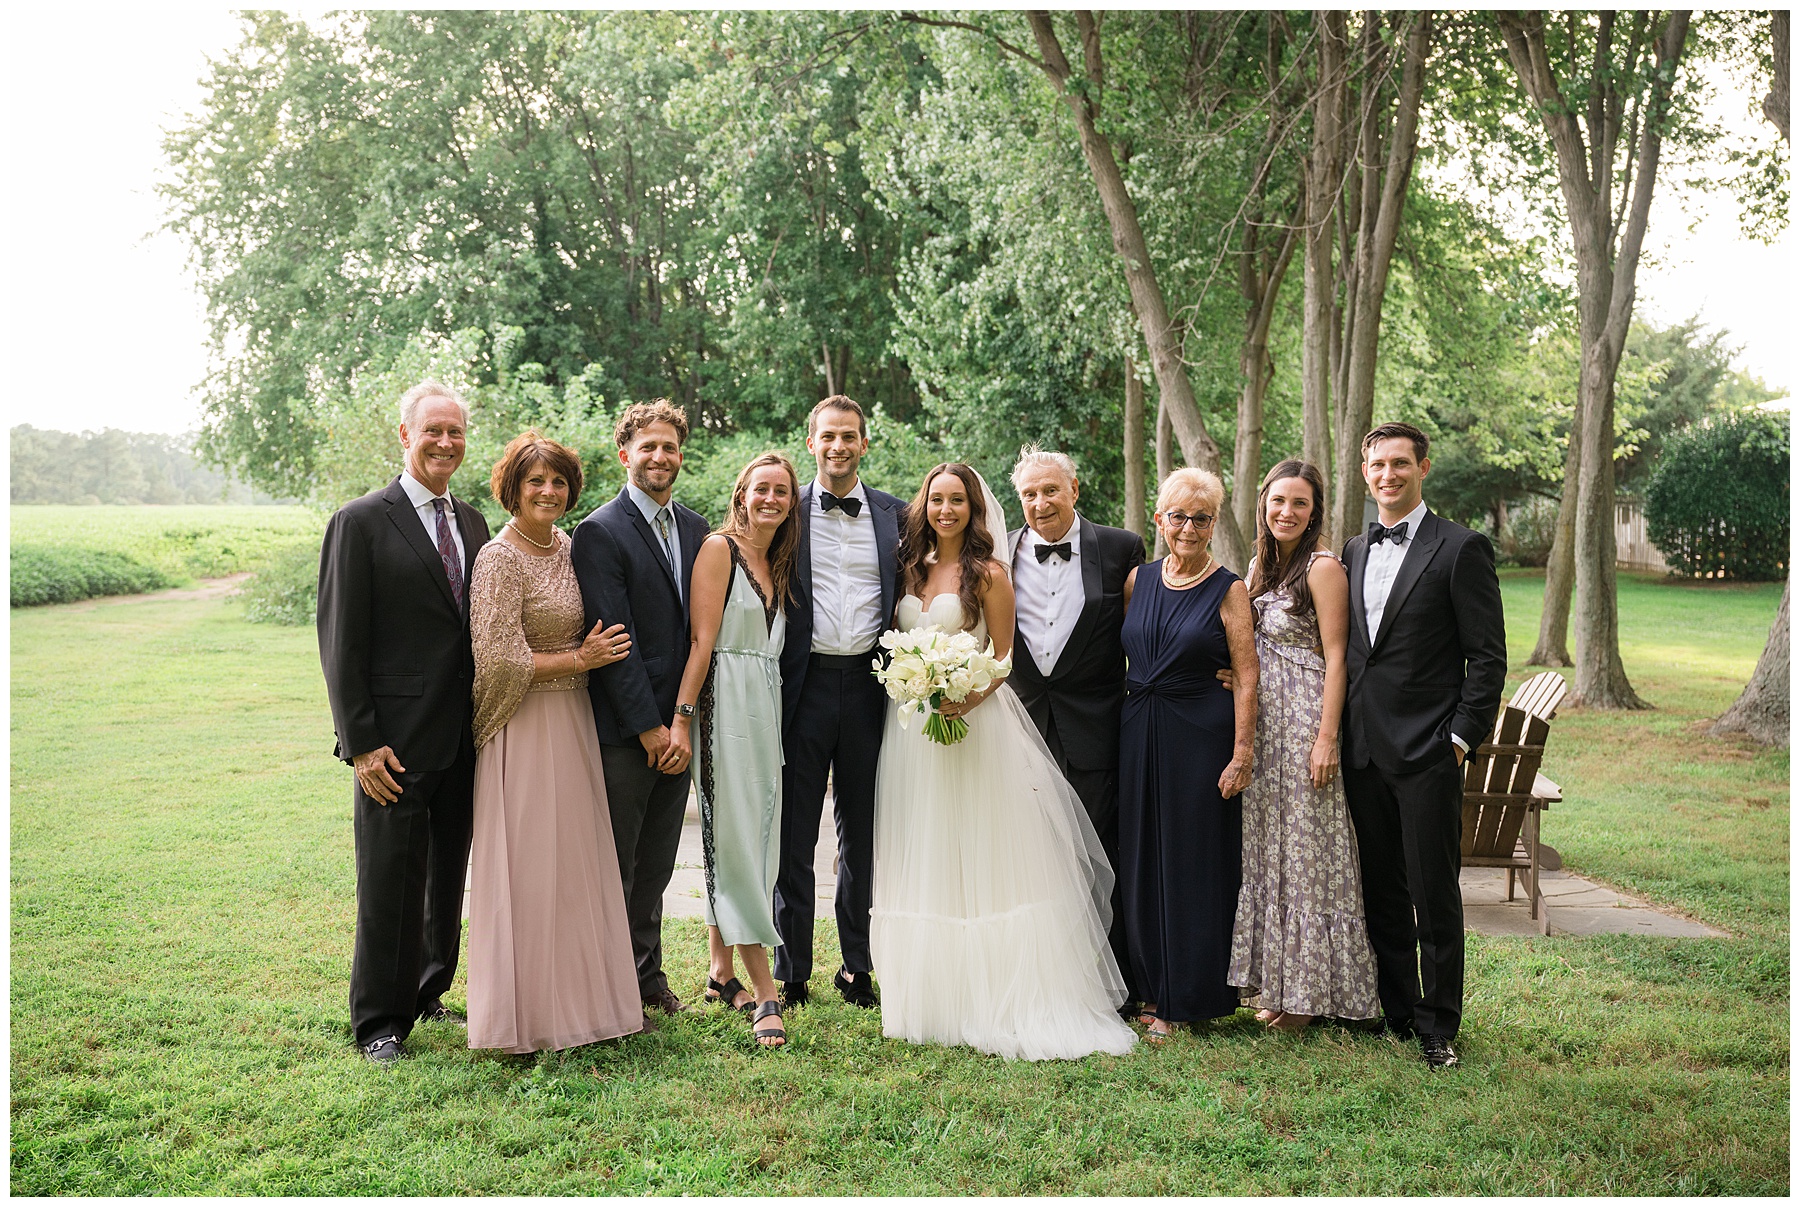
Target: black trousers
x=411 y=860
x=1409 y=833
x=647 y=810
x=1099 y=793
x=836 y=732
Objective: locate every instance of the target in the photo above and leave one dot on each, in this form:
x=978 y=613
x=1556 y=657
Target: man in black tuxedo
x=634 y=560
x=394 y=644
x=1427 y=662
x=1068 y=664
x=832 y=706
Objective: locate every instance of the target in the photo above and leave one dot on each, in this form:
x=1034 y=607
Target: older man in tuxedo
x=1427 y=663
x=634 y=561
x=1068 y=664
x=394 y=644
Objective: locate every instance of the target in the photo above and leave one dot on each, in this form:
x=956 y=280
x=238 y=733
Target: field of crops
x=63 y=553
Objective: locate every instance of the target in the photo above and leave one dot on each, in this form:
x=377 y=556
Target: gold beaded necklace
x=513 y=524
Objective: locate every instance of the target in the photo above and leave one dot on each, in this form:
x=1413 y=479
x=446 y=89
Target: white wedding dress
x=991 y=891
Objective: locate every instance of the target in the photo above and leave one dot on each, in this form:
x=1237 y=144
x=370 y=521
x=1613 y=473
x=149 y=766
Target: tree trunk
x=1260 y=273
x=1161 y=334
x=1323 y=181
x=1761 y=713
x=1383 y=196
x=1607 y=249
x=1552 y=647
x=1775 y=104
x=1134 y=449
x=1165 y=465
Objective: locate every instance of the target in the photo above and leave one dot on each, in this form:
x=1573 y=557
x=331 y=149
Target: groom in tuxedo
x=1068 y=664
x=1427 y=663
x=832 y=706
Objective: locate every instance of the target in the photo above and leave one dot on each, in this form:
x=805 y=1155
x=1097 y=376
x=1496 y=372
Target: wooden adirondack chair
x=1504 y=793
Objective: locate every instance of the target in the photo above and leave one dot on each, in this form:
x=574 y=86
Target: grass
x=185 y=542
x=182 y=907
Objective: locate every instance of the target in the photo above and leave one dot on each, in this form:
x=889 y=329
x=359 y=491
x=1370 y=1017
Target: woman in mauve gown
x=550 y=962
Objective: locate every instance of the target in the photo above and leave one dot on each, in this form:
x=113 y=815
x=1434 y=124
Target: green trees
x=1716 y=505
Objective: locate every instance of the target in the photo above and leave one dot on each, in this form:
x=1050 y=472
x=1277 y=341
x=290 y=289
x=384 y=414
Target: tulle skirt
x=550 y=963
x=991 y=895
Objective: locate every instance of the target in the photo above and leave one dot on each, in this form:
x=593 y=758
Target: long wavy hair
x=784 y=550
x=1271 y=573
x=919 y=543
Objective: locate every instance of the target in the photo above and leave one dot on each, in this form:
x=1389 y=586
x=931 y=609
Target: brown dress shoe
x=666 y=1001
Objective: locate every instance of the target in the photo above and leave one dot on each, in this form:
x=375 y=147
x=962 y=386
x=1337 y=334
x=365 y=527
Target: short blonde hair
x=1191 y=480
x=430 y=388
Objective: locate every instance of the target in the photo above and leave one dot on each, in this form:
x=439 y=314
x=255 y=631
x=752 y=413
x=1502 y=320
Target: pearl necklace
x=1177 y=582
x=514 y=525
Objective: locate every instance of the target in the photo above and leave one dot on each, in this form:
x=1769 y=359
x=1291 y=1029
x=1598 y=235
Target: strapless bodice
x=945 y=613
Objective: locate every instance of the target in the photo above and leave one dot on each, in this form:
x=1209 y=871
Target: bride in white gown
x=991 y=892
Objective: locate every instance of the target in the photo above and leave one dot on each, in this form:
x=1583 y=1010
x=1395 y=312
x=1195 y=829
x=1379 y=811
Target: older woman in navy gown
x=1185 y=752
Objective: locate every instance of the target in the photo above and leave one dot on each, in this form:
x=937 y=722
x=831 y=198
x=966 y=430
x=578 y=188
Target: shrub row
x=1717 y=503
x=286 y=589
x=43 y=574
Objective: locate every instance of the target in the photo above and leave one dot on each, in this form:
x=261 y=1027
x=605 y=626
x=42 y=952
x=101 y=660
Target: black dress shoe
x=857 y=988
x=795 y=993
x=1130 y=1010
x=1402 y=1029
x=384 y=1051
x=437 y=1012
x=665 y=1000
x=1438 y=1052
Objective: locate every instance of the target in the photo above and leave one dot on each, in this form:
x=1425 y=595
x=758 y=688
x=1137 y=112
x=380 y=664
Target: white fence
x=1635 y=550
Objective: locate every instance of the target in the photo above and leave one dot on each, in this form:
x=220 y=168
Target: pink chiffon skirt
x=550 y=962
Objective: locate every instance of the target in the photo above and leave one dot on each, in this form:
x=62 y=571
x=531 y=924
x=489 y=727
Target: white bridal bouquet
x=928 y=666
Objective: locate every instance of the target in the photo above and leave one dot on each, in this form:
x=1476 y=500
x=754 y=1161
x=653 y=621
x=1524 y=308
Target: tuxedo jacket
x=393 y=643
x=885 y=510
x=1085 y=692
x=625 y=579
x=1438 y=665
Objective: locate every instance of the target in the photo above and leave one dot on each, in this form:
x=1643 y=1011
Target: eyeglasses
x=1177 y=520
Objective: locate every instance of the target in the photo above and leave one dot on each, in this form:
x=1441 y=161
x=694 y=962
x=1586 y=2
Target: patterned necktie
x=662 y=533
x=447 y=551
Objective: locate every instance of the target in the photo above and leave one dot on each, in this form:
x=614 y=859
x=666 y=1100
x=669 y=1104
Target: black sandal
x=727 y=993
x=769 y=1009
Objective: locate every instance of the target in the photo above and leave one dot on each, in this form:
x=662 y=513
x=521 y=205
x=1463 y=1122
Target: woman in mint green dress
x=728 y=712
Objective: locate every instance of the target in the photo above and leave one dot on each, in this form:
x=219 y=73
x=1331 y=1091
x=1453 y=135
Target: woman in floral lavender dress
x=1300 y=946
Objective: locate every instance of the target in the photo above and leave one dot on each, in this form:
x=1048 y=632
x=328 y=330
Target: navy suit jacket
x=886 y=511
x=1085 y=692
x=393 y=642
x=1438 y=665
x=625 y=579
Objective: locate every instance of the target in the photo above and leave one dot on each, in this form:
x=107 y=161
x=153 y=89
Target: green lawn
x=181 y=924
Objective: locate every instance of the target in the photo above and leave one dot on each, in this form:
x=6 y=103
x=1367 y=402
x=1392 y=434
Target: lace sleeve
x=496 y=629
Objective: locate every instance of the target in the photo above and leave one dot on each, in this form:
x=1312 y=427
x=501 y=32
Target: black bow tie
x=1065 y=550
x=830 y=502
x=1378 y=534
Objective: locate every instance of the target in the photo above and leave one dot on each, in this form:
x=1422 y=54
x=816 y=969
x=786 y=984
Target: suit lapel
x=1012 y=545
x=887 y=541
x=1090 y=596
x=406 y=519
x=691 y=540
x=803 y=554
x=1356 y=560
x=1418 y=555
x=649 y=534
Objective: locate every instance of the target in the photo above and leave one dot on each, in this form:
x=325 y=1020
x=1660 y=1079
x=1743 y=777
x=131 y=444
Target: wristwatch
x=685 y=710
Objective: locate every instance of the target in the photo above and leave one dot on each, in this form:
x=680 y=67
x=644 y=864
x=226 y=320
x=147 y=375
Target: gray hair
x=1030 y=456
x=1202 y=482
x=429 y=388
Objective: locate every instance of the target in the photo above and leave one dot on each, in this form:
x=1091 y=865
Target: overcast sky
x=105 y=325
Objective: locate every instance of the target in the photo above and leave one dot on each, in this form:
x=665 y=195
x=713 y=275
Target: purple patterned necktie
x=447 y=551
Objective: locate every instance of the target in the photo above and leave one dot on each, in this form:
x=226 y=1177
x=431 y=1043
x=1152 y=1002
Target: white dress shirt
x=1048 y=595
x=1380 y=570
x=420 y=496
x=650 y=507
x=846 y=576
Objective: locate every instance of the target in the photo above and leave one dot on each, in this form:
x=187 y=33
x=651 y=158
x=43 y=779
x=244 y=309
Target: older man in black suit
x=1068 y=664
x=1427 y=663
x=394 y=644
x=634 y=560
